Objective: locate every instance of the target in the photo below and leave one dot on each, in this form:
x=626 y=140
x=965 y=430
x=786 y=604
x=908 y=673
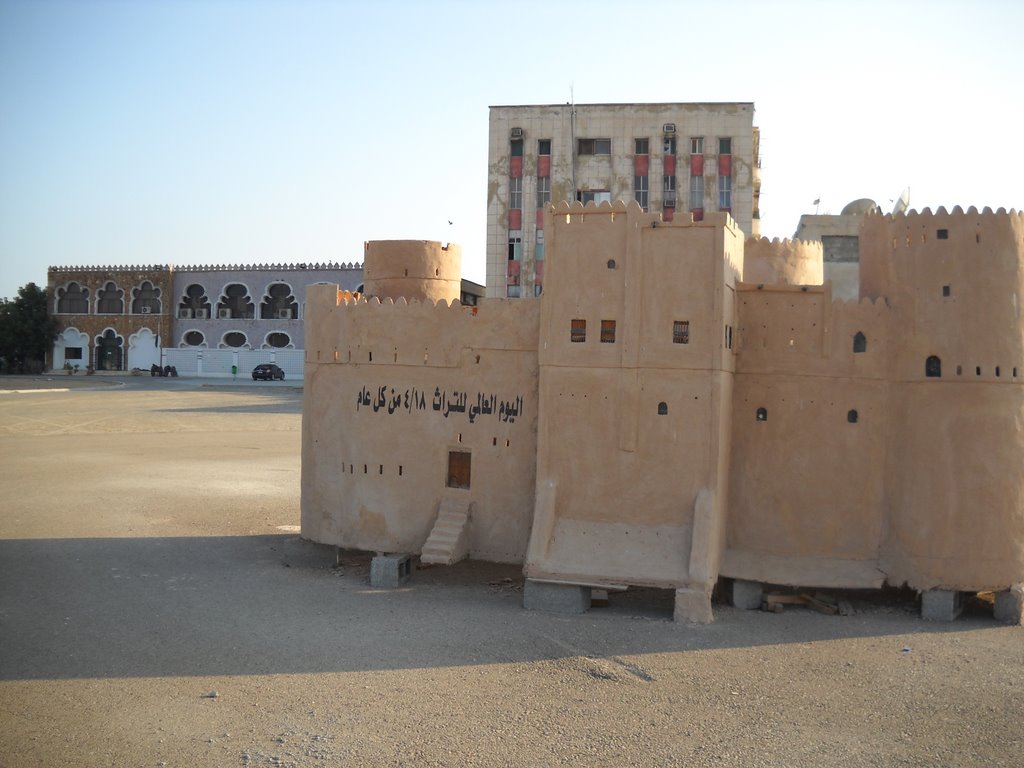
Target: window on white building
x=543 y=191
x=595 y=196
x=696 y=192
x=725 y=193
x=515 y=192
x=640 y=192
x=515 y=246
x=594 y=146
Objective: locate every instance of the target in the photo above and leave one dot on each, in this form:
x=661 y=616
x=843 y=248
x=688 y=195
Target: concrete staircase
x=448 y=542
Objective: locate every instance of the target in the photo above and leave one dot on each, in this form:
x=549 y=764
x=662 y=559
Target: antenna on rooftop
x=903 y=202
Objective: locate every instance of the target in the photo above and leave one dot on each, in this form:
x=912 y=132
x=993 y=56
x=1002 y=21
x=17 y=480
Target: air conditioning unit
x=145 y=310
x=517 y=133
x=669 y=128
x=670 y=200
x=284 y=314
x=223 y=313
x=185 y=314
x=202 y=314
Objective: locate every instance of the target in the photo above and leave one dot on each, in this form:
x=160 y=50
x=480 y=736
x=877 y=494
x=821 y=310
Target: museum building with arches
x=203 y=320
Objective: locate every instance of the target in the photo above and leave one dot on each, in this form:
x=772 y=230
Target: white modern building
x=679 y=159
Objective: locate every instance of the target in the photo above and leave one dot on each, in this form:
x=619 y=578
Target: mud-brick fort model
x=680 y=406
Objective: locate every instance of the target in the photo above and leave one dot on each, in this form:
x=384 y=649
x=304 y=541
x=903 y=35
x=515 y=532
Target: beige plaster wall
x=807 y=486
x=956 y=490
x=979 y=323
x=845 y=279
x=617 y=481
x=925 y=488
x=390 y=390
x=412 y=269
x=795 y=262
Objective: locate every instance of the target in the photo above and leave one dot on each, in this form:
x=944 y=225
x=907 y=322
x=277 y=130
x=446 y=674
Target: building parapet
x=206 y=267
x=266 y=267
x=113 y=268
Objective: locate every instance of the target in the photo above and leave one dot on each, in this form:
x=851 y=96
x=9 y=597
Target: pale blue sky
x=226 y=131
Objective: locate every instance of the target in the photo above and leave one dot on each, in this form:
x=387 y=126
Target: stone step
x=448 y=539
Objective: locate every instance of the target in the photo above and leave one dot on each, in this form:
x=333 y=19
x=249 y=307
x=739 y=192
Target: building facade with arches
x=110 y=318
x=203 y=320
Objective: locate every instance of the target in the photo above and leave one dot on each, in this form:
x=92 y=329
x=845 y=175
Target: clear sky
x=240 y=131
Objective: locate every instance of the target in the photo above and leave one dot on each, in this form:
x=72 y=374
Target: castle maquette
x=680 y=405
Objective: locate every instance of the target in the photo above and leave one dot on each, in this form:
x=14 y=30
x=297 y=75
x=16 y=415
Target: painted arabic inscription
x=390 y=400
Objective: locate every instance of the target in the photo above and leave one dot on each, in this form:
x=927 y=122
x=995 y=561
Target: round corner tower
x=412 y=269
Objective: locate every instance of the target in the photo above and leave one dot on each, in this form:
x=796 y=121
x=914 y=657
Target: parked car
x=267 y=372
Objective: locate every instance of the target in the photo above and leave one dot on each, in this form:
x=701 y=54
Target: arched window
x=146 y=299
x=851 y=416
x=860 y=343
x=109 y=351
x=235 y=303
x=279 y=303
x=73 y=300
x=762 y=414
x=194 y=338
x=662 y=409
x=278 y=340
x=110 y=300
x=194 y=303
x=234 y=339
x=933 y=367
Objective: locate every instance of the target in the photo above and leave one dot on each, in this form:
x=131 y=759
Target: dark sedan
x=267 y=372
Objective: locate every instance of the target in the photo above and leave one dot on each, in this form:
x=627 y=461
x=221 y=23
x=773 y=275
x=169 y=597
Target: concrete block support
x=941 y=604
x=390 y=571
x=747 y=595
x=555 y=598
x=1010 y=605
x=694 y=606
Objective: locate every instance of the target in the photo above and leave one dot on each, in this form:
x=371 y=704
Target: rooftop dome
x=860 y=207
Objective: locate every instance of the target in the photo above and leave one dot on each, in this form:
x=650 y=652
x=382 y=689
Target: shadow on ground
x=113 y=607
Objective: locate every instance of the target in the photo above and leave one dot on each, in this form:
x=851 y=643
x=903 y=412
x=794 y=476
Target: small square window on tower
x=607 y=331
x=578 y=331
x=681 y=332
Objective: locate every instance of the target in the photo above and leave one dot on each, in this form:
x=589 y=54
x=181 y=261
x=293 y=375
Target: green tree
x=27 y=330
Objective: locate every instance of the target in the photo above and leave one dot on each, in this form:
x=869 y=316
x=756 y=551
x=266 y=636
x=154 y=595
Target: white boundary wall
x=217 y=363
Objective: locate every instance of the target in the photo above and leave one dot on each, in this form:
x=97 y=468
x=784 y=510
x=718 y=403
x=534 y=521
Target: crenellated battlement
x=941 y=211
x=292 y=267
x=352 y=328
x=112 y=268
x=575 y=212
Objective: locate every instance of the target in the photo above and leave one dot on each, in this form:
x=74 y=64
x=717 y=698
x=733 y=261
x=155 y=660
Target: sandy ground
x=148 y=558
